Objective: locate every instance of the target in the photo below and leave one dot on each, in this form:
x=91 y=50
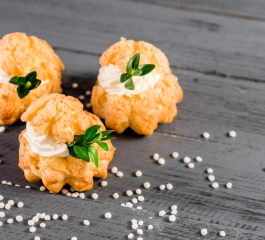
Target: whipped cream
x=109 y=79
x=43 y=145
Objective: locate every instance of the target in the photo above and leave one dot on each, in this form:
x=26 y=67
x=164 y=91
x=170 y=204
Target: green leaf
x=81 y=152
x=72 y=152
x=125 y=77
x=13 y=80
x=35 y=84
x=22 y=92
x=137 y=72
x=31 y=76
x=77 y=137
x=90 y=134
x=103 y=145
x=21 y=81
x=129 y=84
x=28 y=85
x=107 y=132
x=146 y=68
x=108 y=138
x=135 y=61
x=93 y=154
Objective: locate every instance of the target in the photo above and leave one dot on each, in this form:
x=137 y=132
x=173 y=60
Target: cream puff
x=55 y=123
x=150 y=101
x=20 y=55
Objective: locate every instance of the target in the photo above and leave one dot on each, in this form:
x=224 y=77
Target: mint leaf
x=129 y=85
x=103 y=145
x=146 y=68
x=93 y=154
x=31 y=76
x=81 y=152
x=107 y=132
x=125 y=77
x=35 y=84
x=21 y=81
x=13 y=80
x=22 y=92
x=90 y=134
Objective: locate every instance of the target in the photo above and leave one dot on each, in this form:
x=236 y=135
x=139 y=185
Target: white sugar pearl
x=108 y=215
x=104 y=183
x=198 y=159
x=19 y=218
x=172 y=218
x=2 y=205
x=37 y=238
x=175 y=155
x=222 y=234
x=138 y=191
x=161 y=161
x=88 y=93
x=129 y=193
x=47 y=218
x=134 y=200
x=174 y=212
x=130 y=236
x=4 y=182
x=1 y=197
x=150 y=227
x=42 y=216
x=2 y=129
x=75 y=85
x=82 y=195
x=162 y=213
x=81 y=97
x=141 y=223
x=228 y=185
x=206 y=135
x=204 y=232
x=162 y=187
x=74 y=238
x=43 y=225
x=69 y=194
x=122 y=204
x=2 y=214
x=138 y=174
x=119 y=174
x=88 y=105
x=174 y=207
x=191 y=165
x=115 y=195
x=140 y=198
x=209 y=170
x=55 y=216
x=9 y=183
x=7 y=206
x=17 y=185
x=147 y=185
x=134 y=226
x=211 y=178
x=10 y=220
x=1 y=224
x=169 y=186
x=156 y=156
x=94 y=196
x=64 y=217
x=186 y=159
x=72 y=189
x=42 y=188
x=139 y=208
x=139 y=231
x=30 y=223
x=129 y=205
x=134 y=221
x=86 y=222
x=64 y=191
x=232 y=134
x=27 y=187
x=11 y=202
x=215 y=185
x=32 y=229
x=139 y=238
x=35 y=219
x=114 y=170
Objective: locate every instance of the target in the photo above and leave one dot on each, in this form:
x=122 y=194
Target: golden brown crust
x=141 y=112
x=61 y=117
x=19 y=55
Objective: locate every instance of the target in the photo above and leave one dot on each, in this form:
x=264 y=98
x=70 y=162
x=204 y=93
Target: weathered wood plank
x=193 y=40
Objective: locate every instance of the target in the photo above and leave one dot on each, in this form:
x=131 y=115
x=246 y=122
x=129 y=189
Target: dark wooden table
x=217 y=49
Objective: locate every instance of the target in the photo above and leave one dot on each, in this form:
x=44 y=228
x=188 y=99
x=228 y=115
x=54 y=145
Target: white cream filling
x=43 y=145
x=109 y=79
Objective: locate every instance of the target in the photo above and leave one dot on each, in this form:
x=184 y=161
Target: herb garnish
x=81 y=146
x=25 y=84
x=133 y=69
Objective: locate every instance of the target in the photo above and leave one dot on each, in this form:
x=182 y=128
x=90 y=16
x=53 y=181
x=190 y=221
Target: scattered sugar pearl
x=228 y=185
x=1 y=224
x=11 y=202
x=9 y=183
x=138 y=191
x=211 y=178
x=10 y=220
x=2 y=205
x=134 y=221
x=65 y=217
x=43 y=225
x=222 y=234
x=108 y=215
x=81 y=97
x=47 y=218
x=2 y=214
x=162 y=213
x=55 y=216
x=64 y=191
x=139 y=208
x=74 y=238
x=130 y=236
x=134 y=226
x=30 y=223
x=35 y=219
x=42 y=216
x=37 y=238
x=82 y=195
x=1 y=197
x=32 y=229
x=86 y=222
x=156 y=156
x=150 y=227
x=232 y=134
x=2 y=129
x=17 y=185
x=134 y=200
x=147 y=185
x=4 y=182
x=139 y=238
x=7 y=206
x=174 y=212
x=129 y=205
x=206 y=135
x=169 y=186
x=198 y=159
x=72 y=189
x=140 y=198
x=27 y=186
x=115 y=195
x=129 y=193
x=104 y=183
x=204 y=232
x=140 y=222
x=191 y=165
x=174 y=207
x=42 y=188
x=140 y=231
x=119 y=174
x=88 y=92
x=88 y=105
x=161 y=161
x=138 y=174
x=114 y=170
x=75 y=85
x=162 y=187
x=209 y=170
x=172 y=218
x=215 y=185
x=69 y=194
x=122 y=204
x=175 y=155
x=94 y=196
x=186 y=159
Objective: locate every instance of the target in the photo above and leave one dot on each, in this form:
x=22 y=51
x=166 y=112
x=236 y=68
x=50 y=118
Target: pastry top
x=59 y=116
